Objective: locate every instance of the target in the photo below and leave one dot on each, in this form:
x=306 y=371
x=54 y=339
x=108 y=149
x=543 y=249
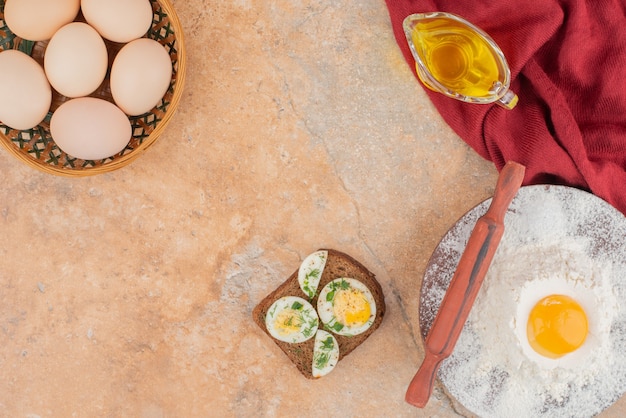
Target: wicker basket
x=35 y=146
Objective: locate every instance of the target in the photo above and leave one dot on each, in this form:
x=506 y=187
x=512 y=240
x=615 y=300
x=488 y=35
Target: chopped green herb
x=328 y=343
x=311 y=324
x=337 y=326
x=321 y=359
x=315 y=273
x=312 y=275
x=333 y=325
x=297 y=306
x=334 y=286
x=309 y=291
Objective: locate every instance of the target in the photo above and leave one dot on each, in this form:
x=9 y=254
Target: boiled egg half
x=325 y=353
x=291 y=319
x=310 y=272
x=346 y=307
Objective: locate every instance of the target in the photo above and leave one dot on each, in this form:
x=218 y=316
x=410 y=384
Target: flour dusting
x=557 y=240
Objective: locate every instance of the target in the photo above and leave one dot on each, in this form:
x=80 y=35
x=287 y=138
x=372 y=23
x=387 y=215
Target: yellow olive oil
x=457 y=57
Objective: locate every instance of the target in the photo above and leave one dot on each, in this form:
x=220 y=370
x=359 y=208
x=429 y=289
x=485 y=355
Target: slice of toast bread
x=338 y=265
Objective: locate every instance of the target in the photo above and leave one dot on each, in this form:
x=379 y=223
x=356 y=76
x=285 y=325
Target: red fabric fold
x=568 y=67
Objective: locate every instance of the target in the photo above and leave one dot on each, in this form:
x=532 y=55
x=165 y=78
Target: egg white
x=310 y=272
x=325 y=353
x=325 y=307
x=306 y=312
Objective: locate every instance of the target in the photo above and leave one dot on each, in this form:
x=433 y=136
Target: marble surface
x=129 y=294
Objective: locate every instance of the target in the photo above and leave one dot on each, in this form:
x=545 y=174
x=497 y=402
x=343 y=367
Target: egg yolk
x=557 y=325
x=288 y=322
x=351 y=307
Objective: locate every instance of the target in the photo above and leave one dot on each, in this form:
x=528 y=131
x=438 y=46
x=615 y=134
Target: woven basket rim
x=123 y=160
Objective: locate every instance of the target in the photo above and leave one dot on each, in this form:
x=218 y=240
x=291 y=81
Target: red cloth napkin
x=568 y=67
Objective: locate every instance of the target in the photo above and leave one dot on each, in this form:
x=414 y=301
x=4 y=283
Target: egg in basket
x=87 y=86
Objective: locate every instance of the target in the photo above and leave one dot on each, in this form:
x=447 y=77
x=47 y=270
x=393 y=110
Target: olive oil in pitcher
x=458 y=59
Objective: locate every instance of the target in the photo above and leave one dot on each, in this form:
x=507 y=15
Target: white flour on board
x=557 y=240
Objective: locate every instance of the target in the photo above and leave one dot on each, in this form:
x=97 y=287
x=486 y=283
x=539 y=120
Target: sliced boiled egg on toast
x=291 y=319
x=310 y=272
x=325 y=353
x=346 y=307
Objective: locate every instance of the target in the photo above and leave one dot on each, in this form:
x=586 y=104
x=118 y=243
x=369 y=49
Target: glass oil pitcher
x=458 y=59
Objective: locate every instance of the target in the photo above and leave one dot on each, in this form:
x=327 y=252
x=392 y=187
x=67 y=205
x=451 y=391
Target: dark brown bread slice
x=338 y=265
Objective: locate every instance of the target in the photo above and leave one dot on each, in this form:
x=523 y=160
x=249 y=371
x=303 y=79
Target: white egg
x=346 y=307
x=291 y=319
x=38 y=20
x=90 y=128
x=76 y=60
x=25 y=94
x=310 y=272
x=576 y=288
x=118 y=20
x=325 y=353
x=140 y=76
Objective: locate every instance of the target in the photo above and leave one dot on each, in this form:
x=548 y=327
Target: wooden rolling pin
x=465 y=284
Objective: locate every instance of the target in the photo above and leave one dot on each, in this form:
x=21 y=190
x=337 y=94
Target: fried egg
x=557 y=322
x=310 y=272
x=346 y=307
x=291 y=319
x=325 y=353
